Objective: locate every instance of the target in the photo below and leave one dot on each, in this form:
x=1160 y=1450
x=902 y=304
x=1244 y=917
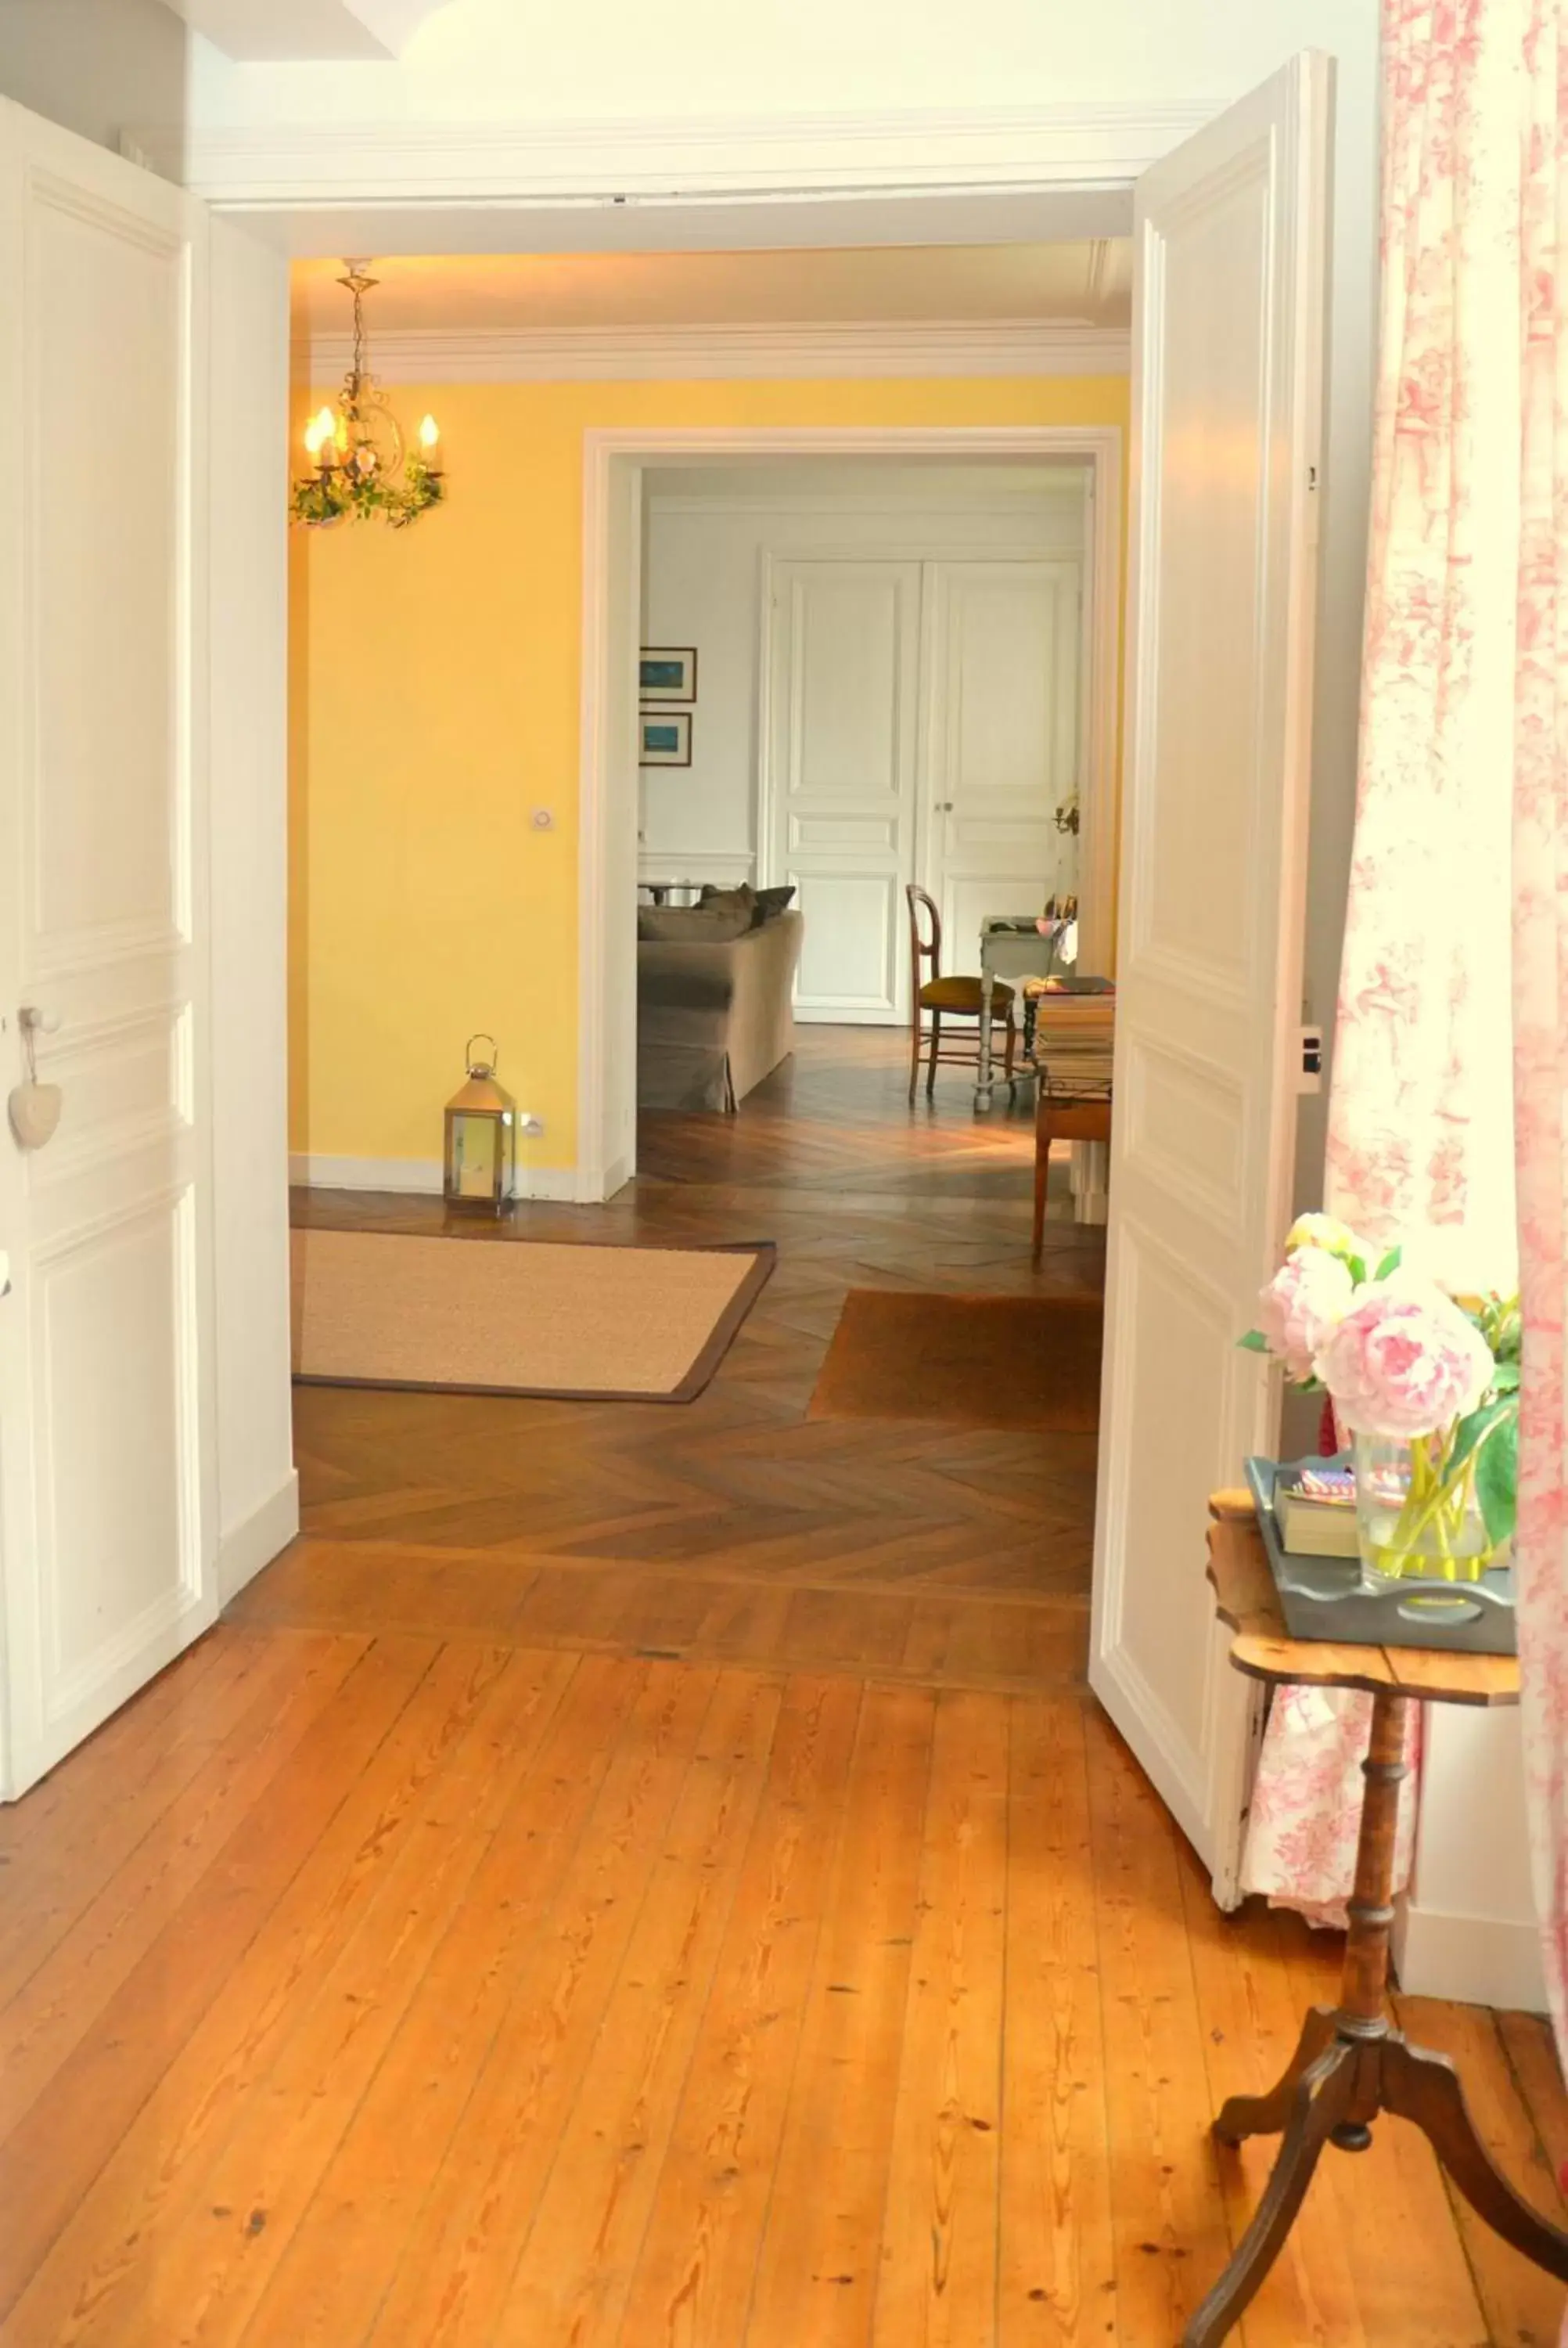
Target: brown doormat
x=977 y=1361
x=580 y=1322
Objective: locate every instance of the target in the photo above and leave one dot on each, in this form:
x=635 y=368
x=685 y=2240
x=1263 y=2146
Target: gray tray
x=1323 y=1598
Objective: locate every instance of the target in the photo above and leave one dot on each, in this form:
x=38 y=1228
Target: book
x=1315 y=1509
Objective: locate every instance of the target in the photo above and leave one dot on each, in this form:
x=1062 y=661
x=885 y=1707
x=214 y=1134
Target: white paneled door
x=923 y=721
x=1006 y=665
x=106 y=1438
x=1229 y=254
x=838 y=816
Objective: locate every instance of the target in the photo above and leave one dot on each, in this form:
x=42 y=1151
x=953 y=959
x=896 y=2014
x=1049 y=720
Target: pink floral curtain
x=1539 y=744
x=1421 y=1129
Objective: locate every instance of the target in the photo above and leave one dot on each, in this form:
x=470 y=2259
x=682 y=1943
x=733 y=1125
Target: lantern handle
x=494 y=1059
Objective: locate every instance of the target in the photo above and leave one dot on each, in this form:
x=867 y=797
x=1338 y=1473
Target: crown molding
x=261 y=167
x=1021 y=347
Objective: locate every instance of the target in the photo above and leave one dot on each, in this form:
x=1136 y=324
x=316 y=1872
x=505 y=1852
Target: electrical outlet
x=530 y=1128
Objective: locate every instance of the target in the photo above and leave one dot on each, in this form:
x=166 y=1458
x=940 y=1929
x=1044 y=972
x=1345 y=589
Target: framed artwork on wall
x=666 y=673
x=664 y=737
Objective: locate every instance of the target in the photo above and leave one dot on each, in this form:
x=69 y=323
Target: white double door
x=923 y=723
x=107 y=1371
x=1229 y=261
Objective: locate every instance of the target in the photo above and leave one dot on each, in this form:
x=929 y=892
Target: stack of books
x=1315 y=1509
x=1074 y=1032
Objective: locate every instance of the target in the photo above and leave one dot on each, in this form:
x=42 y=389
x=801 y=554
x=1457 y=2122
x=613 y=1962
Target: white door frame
x=613 y=459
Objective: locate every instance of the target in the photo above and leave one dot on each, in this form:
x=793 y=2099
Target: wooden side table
x=1351 y=2063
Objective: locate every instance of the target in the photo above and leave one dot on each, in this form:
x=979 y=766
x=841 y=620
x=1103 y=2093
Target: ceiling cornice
x=259 y=166
x=1017 y=346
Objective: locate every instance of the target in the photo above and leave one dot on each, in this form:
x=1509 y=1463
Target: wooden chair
x=1062 y=1114
x=958 y=997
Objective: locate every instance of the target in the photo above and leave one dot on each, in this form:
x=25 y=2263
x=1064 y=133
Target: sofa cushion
x=692 y=925
x=772 y=902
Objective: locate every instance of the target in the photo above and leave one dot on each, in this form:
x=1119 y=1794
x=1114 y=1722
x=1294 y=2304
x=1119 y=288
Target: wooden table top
x=1247 y=1600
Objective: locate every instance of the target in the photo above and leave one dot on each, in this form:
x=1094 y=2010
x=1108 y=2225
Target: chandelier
x=357 y=448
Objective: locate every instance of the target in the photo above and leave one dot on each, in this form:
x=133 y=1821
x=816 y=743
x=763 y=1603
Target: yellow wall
x=434 y=676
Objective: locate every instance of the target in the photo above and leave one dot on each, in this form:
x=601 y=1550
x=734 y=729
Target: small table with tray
x=1326 y=1597
x=1351 y=2063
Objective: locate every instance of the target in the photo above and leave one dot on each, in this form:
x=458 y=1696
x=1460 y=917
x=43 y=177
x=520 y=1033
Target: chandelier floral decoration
x=361 y=467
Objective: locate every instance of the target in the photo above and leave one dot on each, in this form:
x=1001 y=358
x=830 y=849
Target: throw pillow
x=692 y=925
x=771 y=902
x=742 y=899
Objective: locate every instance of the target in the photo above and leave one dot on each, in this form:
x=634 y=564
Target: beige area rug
x=517 y=1316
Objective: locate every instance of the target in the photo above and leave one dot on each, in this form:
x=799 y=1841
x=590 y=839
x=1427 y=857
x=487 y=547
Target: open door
x=1227 y=365
x=108 y=1438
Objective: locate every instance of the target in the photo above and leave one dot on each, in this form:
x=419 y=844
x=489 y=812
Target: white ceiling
x=307 y=31
x=1085 y=282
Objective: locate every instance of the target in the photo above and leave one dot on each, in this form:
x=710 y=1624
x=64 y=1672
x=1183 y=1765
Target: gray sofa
x=713 y=1019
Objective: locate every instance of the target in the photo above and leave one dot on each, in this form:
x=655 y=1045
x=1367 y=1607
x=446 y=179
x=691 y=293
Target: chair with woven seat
x=956 y=997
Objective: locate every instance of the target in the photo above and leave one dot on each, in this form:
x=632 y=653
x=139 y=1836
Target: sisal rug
x=580 y=1322
x=976 y=1360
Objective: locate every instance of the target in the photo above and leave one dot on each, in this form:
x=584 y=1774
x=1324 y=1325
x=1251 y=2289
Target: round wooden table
x=1351 y=2063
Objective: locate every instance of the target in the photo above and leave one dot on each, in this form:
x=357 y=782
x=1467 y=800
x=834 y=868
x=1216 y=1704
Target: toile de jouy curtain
x=1460 y=675
x=1540 y=748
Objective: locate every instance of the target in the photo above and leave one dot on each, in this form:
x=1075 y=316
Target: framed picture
x=665 y=737
x=666 y=673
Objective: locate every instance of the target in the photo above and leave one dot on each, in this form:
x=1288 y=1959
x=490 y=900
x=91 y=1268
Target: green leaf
x=1481 y=1428
x=1390 y=1264
x=1356 y=1265
x=1255 y=1341
x=1506 y=1377
x=1497 y=1479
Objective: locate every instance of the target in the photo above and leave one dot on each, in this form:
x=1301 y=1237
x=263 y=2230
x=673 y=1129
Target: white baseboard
x=1478 y=1959
x=420 y=1176
x=255 y=1542
x=617 y=1175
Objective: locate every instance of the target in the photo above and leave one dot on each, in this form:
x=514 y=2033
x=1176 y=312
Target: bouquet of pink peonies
x=1424 y=1376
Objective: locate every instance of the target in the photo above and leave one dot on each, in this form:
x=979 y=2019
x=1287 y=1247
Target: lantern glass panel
x=475 y=1156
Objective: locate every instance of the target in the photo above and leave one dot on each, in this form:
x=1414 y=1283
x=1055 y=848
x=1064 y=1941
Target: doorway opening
x=855 y=676
x=916 y=679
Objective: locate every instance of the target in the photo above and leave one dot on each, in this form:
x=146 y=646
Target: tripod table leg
x=1245 y=2116
x=1320 y=2102
x=1425 y=2088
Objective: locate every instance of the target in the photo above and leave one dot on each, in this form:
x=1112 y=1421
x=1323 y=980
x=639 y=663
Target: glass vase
x=1418 y=1518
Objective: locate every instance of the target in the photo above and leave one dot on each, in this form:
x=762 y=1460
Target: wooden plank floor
x=419 y=1963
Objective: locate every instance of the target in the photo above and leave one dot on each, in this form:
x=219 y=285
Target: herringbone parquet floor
x=732 y=1529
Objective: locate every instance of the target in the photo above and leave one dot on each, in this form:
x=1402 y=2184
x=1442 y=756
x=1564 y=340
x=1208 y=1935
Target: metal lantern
x=481 y=1155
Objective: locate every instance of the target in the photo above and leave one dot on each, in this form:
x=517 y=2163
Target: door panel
x=1227 y=385
x=839 y=759
x=1005 y=672
x=108 y=1521
x=851 y=946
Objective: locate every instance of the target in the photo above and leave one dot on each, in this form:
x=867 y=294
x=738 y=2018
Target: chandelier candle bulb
x=356 y=446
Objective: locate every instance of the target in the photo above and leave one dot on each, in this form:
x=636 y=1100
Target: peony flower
x=1297 y=1311
x=1404 y=1360
x=1328 y=1232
